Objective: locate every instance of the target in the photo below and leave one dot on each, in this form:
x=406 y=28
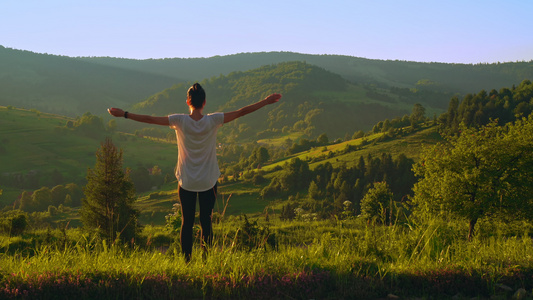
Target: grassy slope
x=409 y=145
x=39 y=141
x=244 y=197
x=68 y=86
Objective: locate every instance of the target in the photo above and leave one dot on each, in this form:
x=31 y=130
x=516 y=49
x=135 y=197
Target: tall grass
x=314 y=259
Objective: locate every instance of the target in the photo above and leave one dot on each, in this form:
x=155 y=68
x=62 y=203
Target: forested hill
x=455 y=78
x=68 y=86
x=315 y=101
x=72 y=86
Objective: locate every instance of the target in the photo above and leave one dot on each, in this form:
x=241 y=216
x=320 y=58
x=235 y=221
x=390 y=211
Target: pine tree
x=109 y=196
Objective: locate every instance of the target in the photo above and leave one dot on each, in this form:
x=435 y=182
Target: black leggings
x=188 y=210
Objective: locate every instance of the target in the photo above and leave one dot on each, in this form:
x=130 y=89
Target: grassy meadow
x=265 y=258
x=255 y=253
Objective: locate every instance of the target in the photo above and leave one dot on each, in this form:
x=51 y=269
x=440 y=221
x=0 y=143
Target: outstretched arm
x=117 y=112
x=230 y=116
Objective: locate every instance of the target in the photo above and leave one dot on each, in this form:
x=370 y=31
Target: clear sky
x=453 y=31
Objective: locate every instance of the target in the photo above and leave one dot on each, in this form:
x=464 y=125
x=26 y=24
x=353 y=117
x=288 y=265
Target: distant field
x=410 y=146
x=277 y=142
x=36 y=141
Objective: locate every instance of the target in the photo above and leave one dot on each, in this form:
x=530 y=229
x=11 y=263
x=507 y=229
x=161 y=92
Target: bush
x=287 y=211
x=14 y=222
x=377 y=204
x=173 y=220
x=258 y=179
x=251 y=236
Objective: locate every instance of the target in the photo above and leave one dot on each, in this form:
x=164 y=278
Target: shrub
x=173 y=220
x=258 y=179
x=14 y=222
x=377 y=204
x=250 y=236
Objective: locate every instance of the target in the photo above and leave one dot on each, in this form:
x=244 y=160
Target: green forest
x=349 y=187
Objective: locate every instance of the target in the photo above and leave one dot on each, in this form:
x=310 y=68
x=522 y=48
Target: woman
x=197 y=169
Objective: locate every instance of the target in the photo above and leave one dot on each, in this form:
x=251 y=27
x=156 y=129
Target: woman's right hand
x=116 y=112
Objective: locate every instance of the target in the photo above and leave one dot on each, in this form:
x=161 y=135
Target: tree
x=109 y=196
x=25 y=201
x=296 y=175
x=156 y=175
x=90 y=125
x=41 y=199
x=13 y=222
x=482 y=173
x=358 y=134
x=377 y=203
x=313 y=191
x=322 y=139
x=75 y=192
x=141 y=179
x=58 y=195
x=418 y=114
x=261 y=156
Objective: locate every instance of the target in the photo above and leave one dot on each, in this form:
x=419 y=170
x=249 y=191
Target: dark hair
x=196 y=95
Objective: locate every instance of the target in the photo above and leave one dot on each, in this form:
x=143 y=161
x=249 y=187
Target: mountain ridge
x=74 y=85
x=390 y=73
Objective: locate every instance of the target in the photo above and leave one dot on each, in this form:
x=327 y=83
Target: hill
x=69 y=86
x=72 y=86
x=315 y=101
x=451 y=78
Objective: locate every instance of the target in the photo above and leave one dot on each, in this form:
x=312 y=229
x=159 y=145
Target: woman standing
x=197 y=168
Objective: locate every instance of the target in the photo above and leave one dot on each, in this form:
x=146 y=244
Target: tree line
x=327 y=188
x=475 y=110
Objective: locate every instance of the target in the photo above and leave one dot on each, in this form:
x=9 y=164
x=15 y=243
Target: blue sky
x=453 y=31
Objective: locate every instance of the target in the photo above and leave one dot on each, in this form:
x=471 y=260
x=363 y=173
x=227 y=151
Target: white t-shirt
x=197 y=168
